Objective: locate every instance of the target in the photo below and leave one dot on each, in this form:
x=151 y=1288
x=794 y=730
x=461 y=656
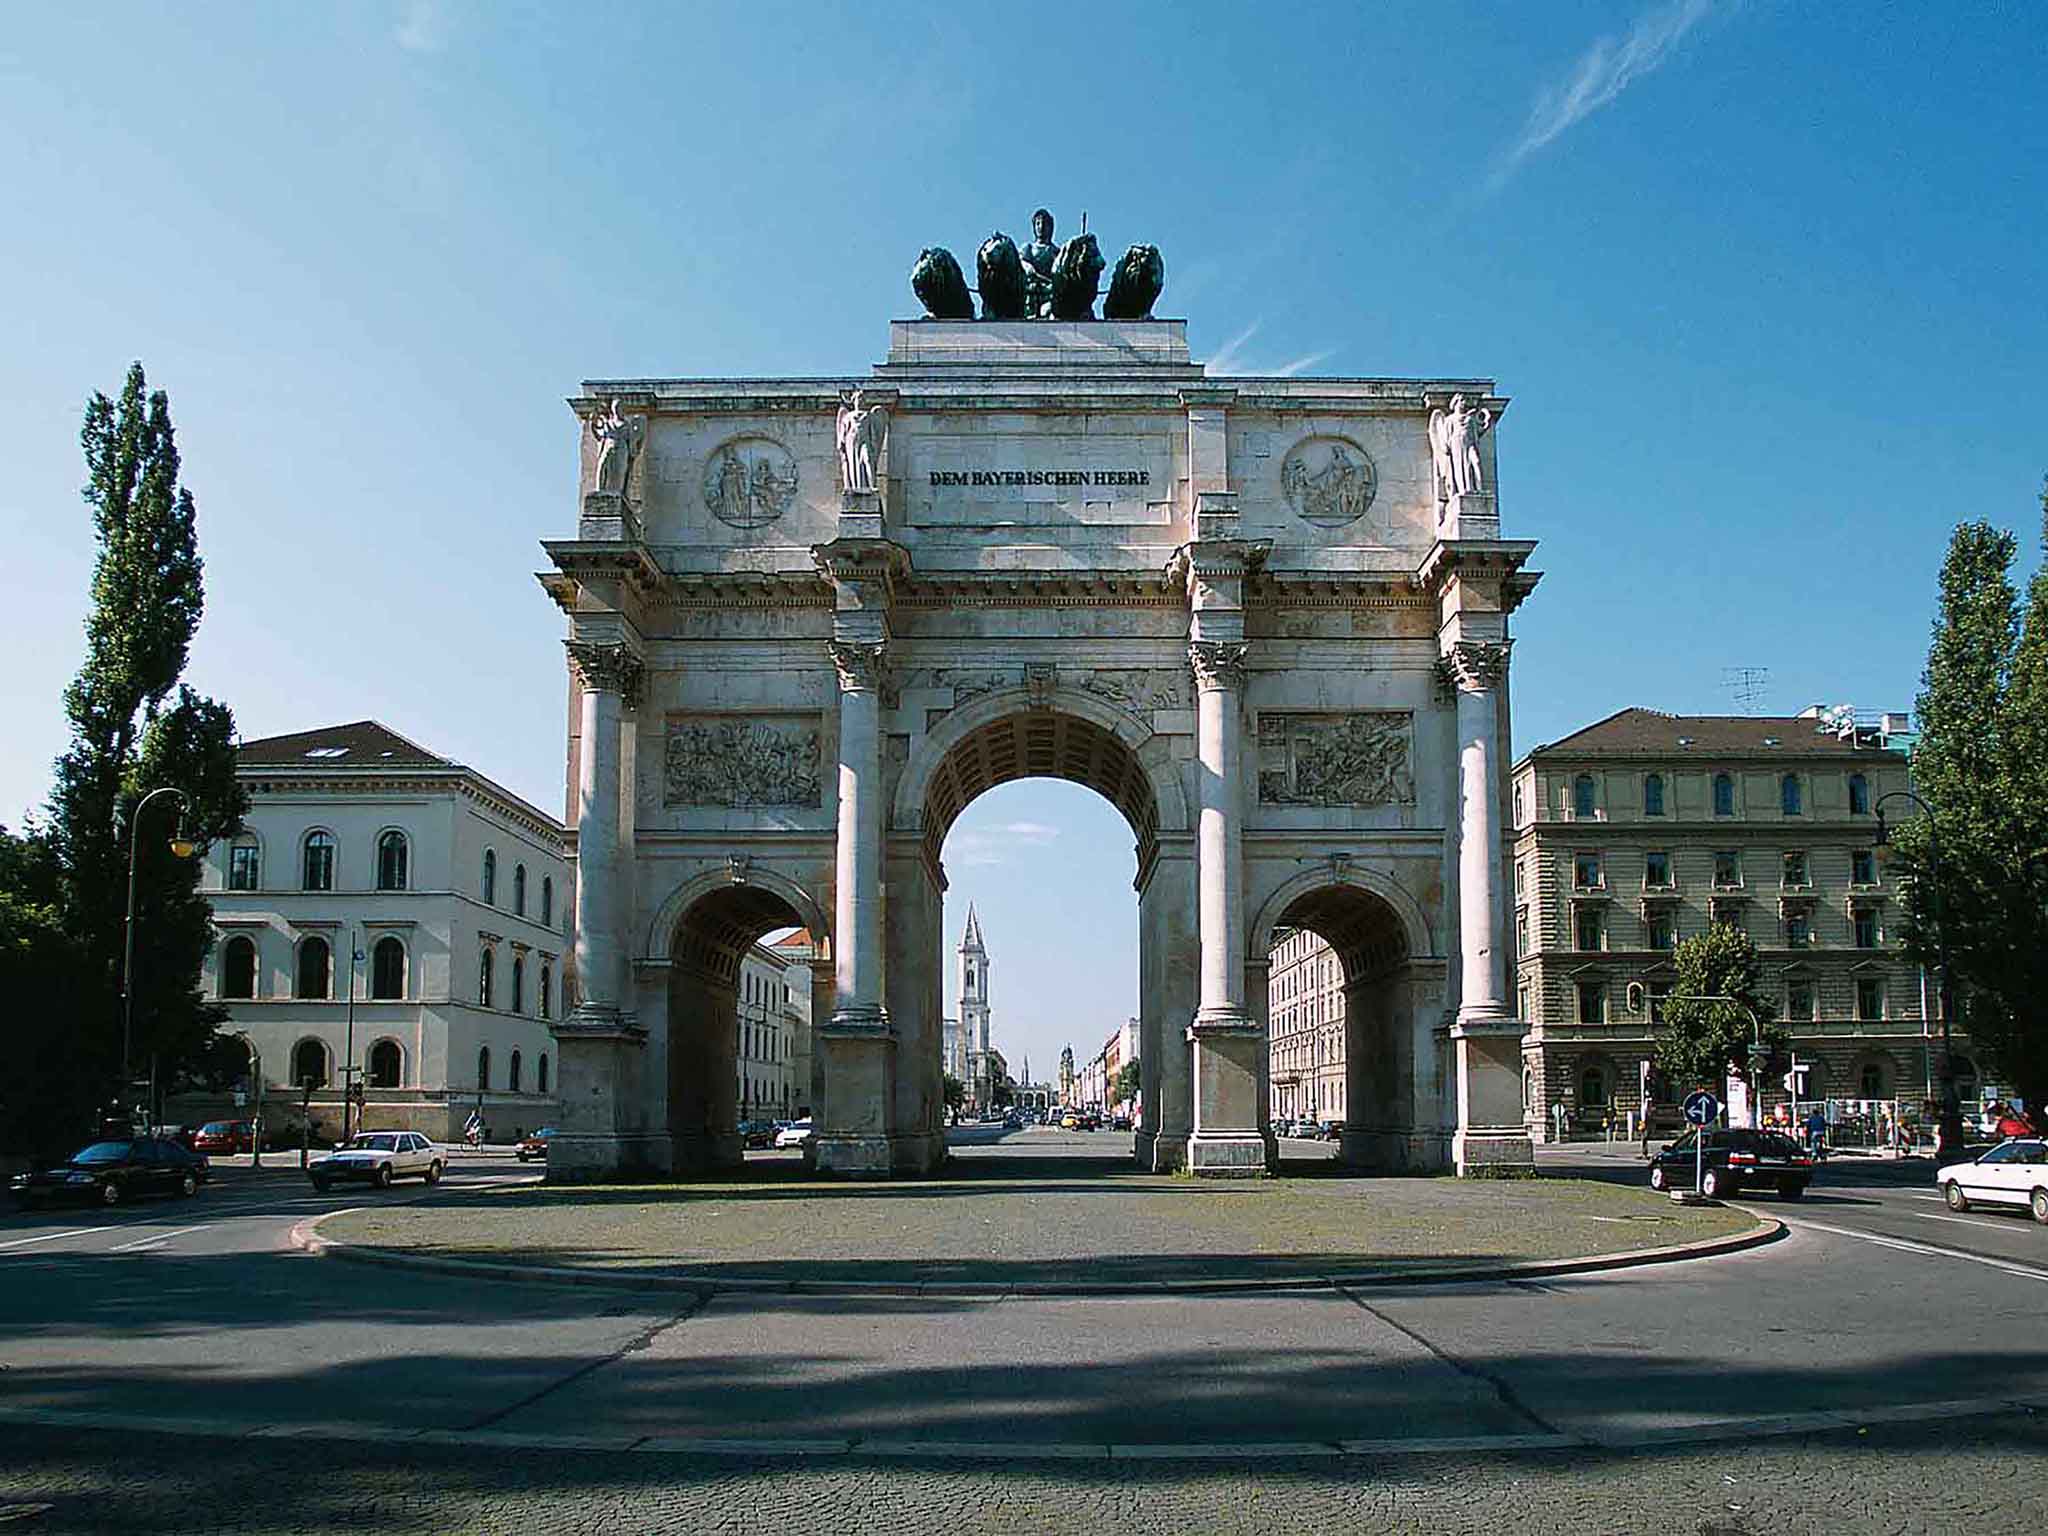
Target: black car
x=1732 y=1160
x=108 y=1172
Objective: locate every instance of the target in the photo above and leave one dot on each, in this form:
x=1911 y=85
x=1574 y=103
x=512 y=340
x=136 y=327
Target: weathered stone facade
x=1253 y=613
x=1634 y=833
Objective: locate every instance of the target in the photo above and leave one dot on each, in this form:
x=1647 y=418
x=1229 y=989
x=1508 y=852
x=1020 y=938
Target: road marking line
x=51 y=1237
x=1963 y=1221
x=157 y=1240
x=1907 y=1245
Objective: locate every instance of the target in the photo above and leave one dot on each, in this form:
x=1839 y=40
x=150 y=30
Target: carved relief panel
x=749 y=481
x=1363 y=759
x=743 y=762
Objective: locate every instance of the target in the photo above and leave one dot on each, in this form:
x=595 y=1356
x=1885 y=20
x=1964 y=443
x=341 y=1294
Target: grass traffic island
x=1055 y=1231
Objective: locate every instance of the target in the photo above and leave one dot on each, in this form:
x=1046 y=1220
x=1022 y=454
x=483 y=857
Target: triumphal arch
x=812 y=619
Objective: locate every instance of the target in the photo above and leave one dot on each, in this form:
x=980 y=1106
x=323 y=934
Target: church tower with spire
x=974 y=992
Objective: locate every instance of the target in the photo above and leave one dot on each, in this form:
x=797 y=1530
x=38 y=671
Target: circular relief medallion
x=749 y=481
x=1330 y=481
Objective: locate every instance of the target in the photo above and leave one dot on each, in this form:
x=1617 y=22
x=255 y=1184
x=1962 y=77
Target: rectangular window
x=1663 y=931
x=1799 y=1001
x=242 y=867
x=1521 y=932
x=1518 y=877
x=1657 y=871
x=1586 y=871
x=1592 y=1002
x=1866 y=927
x=1727 y=871
x=1869 y=1000
x=1798 y=929
x=1795 y=874
x=1862 y=867
x=1588 y=928
x=1522 y=1002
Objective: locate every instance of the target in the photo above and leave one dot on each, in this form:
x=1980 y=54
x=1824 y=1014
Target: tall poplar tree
x=134 y=729
x=1982 y=763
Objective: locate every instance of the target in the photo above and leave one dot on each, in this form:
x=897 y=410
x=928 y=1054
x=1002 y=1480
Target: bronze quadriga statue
x=1040 y=280
x=1000 y=271
x=1076 y=276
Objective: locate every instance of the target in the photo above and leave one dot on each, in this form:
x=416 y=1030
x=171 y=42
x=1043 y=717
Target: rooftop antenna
x=1748 y=686
x=1084 y=221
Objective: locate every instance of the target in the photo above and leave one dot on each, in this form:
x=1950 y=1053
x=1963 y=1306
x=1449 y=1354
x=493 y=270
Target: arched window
x=238 y=967
x=547 y=977
x=1859 y=795
x=1724 y=795
x=1653 y=795
x=483 y=1069
x=245 y=864
x=387 y=968
x=318 y=871
x=315 y=976
x=486 y=968
x=518 y=988
x=392 y=857
x=1791 y=800
x=309 y=1064
x=519 y=890
x=1582 y=796
x=540 y=1074
x=547 y=901
x=387 y=1064
x=490 y=877
x=513 y=1082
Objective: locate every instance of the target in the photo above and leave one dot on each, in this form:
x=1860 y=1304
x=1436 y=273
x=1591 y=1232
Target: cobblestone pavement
x=1975 y=1475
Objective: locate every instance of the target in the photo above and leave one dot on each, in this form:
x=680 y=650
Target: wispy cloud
x=1290 y=368
x=984 y=847
x=1230 y=355
x=1601 y=74
x=1231 y=359
x=423 y=26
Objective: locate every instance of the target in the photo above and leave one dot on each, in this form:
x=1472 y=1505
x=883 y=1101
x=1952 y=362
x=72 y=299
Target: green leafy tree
x=1699 y=1039
x=1981 y=762
x=1126 y=1082
x=956 y=1093
x=134 y=729
x=48 y=1093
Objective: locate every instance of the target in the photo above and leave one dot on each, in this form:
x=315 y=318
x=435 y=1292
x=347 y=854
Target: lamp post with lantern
x=1951 y=1123
x=181 y=847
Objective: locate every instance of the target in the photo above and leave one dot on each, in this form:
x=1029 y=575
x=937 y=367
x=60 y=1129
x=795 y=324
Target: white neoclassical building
x=810 y=620
x=451 y=893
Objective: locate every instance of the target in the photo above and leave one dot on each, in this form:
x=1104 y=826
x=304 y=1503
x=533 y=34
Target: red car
x=224 y=1137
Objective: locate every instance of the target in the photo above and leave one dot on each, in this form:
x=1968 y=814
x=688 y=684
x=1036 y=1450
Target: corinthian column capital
x=1217 y=664
x=1477 y=666
x=608 y=667
x=863 y=665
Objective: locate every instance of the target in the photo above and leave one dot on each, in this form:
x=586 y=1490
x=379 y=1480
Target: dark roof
x=1646 y=732
x=364 y=744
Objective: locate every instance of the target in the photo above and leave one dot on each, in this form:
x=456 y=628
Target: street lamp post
x=349 y=1076
x=182 y=847
x=1951 y=1106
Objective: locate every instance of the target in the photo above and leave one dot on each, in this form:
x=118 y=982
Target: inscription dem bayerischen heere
x=1006 y=477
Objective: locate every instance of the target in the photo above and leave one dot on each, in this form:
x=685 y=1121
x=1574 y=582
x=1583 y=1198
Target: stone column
x=1487 y=1036
x=1228 y=1042
x=600 y=1043
x=857 y=1044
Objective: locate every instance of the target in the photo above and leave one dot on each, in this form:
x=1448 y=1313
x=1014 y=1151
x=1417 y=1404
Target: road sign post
x=1701 y=1110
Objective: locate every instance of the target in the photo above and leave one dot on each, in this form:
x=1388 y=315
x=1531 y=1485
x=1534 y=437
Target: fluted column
x=1487 y=1037
x=858 y=912
x=610 y=675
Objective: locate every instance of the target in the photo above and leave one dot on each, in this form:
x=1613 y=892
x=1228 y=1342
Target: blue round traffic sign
x=1701 y=1107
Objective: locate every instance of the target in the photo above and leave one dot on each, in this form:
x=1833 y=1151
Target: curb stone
x=306 y=1236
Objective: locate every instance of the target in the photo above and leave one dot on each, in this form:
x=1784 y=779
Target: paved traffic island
x=1052 y=1232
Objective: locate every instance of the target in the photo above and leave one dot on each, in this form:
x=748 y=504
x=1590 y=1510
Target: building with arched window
x=1763 y=822
x=367 y=864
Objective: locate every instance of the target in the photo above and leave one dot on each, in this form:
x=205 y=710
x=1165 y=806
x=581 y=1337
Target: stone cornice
x=853 y=561
x=1050 y=589
x=368 y=781
x=1499 y=558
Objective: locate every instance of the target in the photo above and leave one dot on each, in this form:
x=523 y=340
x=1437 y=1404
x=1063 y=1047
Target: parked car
x=1732 y=1159
x=797 y=1134
x=378 y=1157
x=535 y=1145
x=108 y=1172
x=224 y=1138
x=2013 y=1173
x=183 y=1135
x=758 y=1133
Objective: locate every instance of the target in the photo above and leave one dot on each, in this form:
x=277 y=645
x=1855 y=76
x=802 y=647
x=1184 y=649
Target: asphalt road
x=179 y=1315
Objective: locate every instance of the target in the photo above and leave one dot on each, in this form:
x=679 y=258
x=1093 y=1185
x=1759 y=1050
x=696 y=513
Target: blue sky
x=1764 y=281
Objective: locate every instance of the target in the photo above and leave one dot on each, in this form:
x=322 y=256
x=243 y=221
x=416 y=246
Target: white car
x=797 y=1135
x=2012 y=1173
x=378 y=1157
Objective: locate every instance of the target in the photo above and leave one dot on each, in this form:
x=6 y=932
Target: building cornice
x=368 y=780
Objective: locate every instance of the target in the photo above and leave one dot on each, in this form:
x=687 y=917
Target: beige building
x=1307 y=1011
x=1635 y=833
